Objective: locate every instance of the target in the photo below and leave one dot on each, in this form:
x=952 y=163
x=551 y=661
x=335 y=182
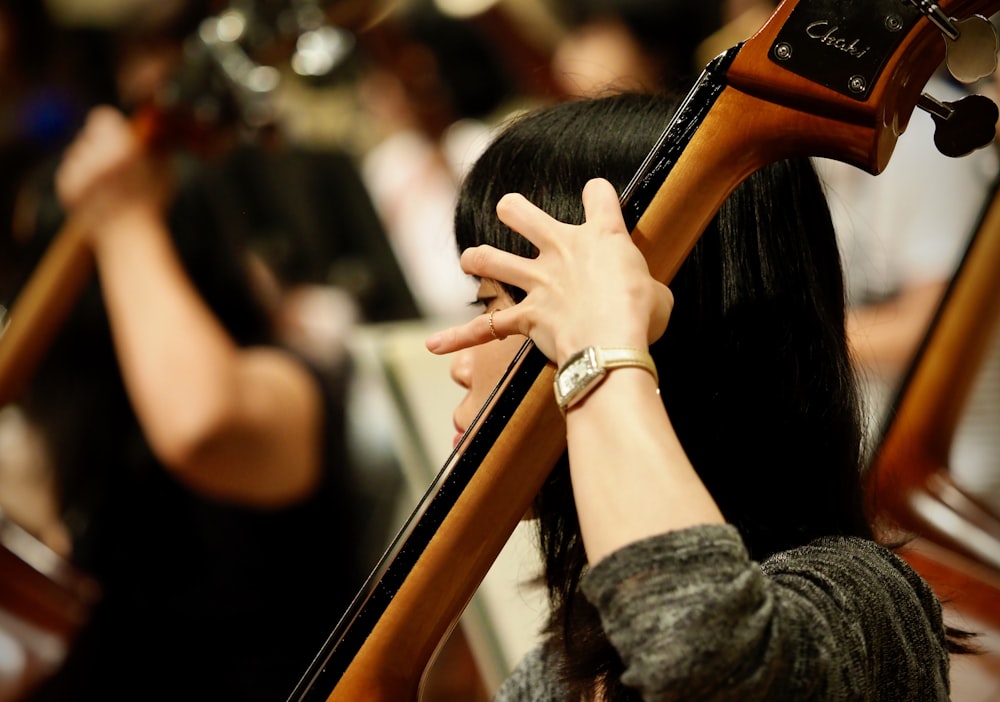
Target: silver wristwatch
x=586 y=369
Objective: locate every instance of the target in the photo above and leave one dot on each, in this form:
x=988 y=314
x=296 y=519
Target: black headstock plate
x=842 y=44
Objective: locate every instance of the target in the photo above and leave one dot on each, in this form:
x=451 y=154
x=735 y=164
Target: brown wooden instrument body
x=910 y=472
x=41 y=308
x=43 y=603
x=763 y=115
x=47 y=592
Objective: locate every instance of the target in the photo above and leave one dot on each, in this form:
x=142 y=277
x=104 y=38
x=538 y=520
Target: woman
x=708 y=541
x=203 y=473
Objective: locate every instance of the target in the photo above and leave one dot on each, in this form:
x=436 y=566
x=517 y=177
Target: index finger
x=474 y=332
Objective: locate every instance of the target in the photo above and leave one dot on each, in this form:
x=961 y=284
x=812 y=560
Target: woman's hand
x=107 y=175
x=589 y=284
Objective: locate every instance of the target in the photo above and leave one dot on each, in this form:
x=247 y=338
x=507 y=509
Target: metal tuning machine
x=971 y=44
x=971 y=47
x=962 y=126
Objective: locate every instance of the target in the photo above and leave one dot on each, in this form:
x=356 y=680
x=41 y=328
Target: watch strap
x=625 y=357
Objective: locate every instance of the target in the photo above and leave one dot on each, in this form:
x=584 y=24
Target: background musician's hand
x=107 y=175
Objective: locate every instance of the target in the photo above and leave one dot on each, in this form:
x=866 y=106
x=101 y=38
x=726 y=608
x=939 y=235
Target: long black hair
x=755 y=369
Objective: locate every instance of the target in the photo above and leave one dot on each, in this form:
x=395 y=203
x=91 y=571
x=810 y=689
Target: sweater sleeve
x=840 y=619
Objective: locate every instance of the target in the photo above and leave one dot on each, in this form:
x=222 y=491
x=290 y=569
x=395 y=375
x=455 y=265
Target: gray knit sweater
x=693 y=618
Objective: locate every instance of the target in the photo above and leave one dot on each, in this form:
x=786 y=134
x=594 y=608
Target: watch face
x=573 y=376
x=577 y=374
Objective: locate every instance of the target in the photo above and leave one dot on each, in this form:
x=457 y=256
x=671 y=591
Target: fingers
x=104 y=120
x=523 y=217
x=600 y=203
x=487 y=262
x=495 y=329
x=593 y=266
x=103 y=143
x=105 y=129
x=493 y=326
x=602 y=207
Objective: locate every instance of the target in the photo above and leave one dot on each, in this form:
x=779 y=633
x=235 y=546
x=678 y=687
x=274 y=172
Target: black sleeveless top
x=204 y=600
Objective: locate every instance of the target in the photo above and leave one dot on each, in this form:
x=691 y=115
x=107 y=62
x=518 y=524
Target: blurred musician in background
x=200 y=463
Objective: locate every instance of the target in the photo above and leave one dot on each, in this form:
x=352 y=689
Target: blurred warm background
x=336 y=131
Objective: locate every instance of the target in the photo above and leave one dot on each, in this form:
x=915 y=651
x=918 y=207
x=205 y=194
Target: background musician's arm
x=239 y=424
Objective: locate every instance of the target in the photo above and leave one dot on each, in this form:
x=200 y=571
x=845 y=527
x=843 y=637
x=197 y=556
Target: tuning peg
x=971 y=44
x=973 y=54
x=962 y=126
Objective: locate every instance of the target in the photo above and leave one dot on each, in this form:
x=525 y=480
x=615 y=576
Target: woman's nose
x=461 y=368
